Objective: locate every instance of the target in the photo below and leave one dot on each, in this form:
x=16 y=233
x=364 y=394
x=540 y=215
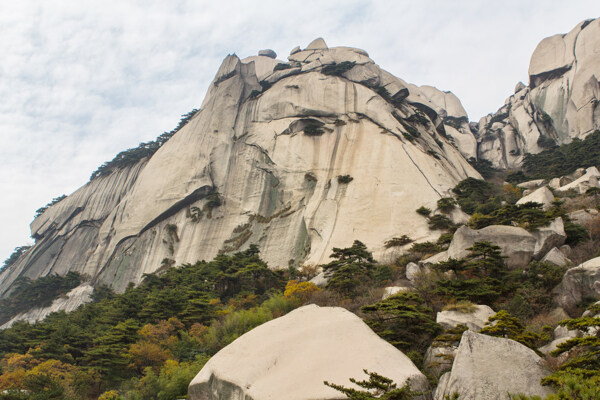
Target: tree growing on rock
x=352 y=266
x=377 y=387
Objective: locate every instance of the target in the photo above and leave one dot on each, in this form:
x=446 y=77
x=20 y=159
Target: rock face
x=69 y=302
x=259 y=164
x=290 y=357
x=487 y=368
x=561 y=102
x=579 y=282
x=474 y=321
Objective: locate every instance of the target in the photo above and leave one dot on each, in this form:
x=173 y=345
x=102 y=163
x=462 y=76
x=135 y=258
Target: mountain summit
x=295 y=157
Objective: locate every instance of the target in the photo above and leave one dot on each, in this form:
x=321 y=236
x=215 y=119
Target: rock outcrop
x=517 y=245
x=578 y=283
x=290 y=357
x=561 y=102
x=487 y=368
x=297 y=159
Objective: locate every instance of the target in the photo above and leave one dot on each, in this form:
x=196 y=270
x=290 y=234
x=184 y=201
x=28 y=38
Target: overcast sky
x=82 y=80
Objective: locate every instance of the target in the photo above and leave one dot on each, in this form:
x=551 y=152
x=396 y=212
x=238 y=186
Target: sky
x=82 y=80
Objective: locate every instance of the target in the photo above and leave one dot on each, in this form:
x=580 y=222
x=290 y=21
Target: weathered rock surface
x=277 y=185
x=561 y=102
x=474 y=321
x=487 y=368
x=579 y=282
x=542 y=196
x=290 y=357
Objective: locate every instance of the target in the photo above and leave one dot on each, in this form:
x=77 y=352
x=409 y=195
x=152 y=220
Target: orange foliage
x=299 y=291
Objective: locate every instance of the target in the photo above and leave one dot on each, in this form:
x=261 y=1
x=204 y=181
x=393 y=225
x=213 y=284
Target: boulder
x=487 y=368
x=436 y=258
x=474 y=321
x=532 y=184
x=295 y=50
x=556 y=257
x=548 y=237
x=412 y=270
x=317 y=44
x=516 y=244
x=519 y=86
x=578 y=283
x=267 y=53
x=290 y=357
x=542 y=195
x=392 y=290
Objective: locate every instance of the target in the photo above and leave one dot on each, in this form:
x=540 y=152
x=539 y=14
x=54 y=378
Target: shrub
x=575 y=233
x=440 y=222
x=426 y=248
x=338 y=69
x=472 y=192
x=282 y=66
x=344 y=179
x=397 y=242
x=423 y=211
x=446 y=204
x=484 y=167
x=313 y=130
x=463 y=306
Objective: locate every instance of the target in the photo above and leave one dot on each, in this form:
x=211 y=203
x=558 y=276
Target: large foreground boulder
x=290 y=357
x=578 y=283
x=487 y=368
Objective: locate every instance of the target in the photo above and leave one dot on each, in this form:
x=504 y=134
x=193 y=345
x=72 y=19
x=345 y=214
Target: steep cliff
x=560 y=103
x=297 y=157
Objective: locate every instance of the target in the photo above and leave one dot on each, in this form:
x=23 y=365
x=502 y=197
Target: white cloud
x=81 y=81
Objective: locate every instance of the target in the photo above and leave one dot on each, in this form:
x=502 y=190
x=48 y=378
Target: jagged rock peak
x=296 y=157
x=561 y=102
